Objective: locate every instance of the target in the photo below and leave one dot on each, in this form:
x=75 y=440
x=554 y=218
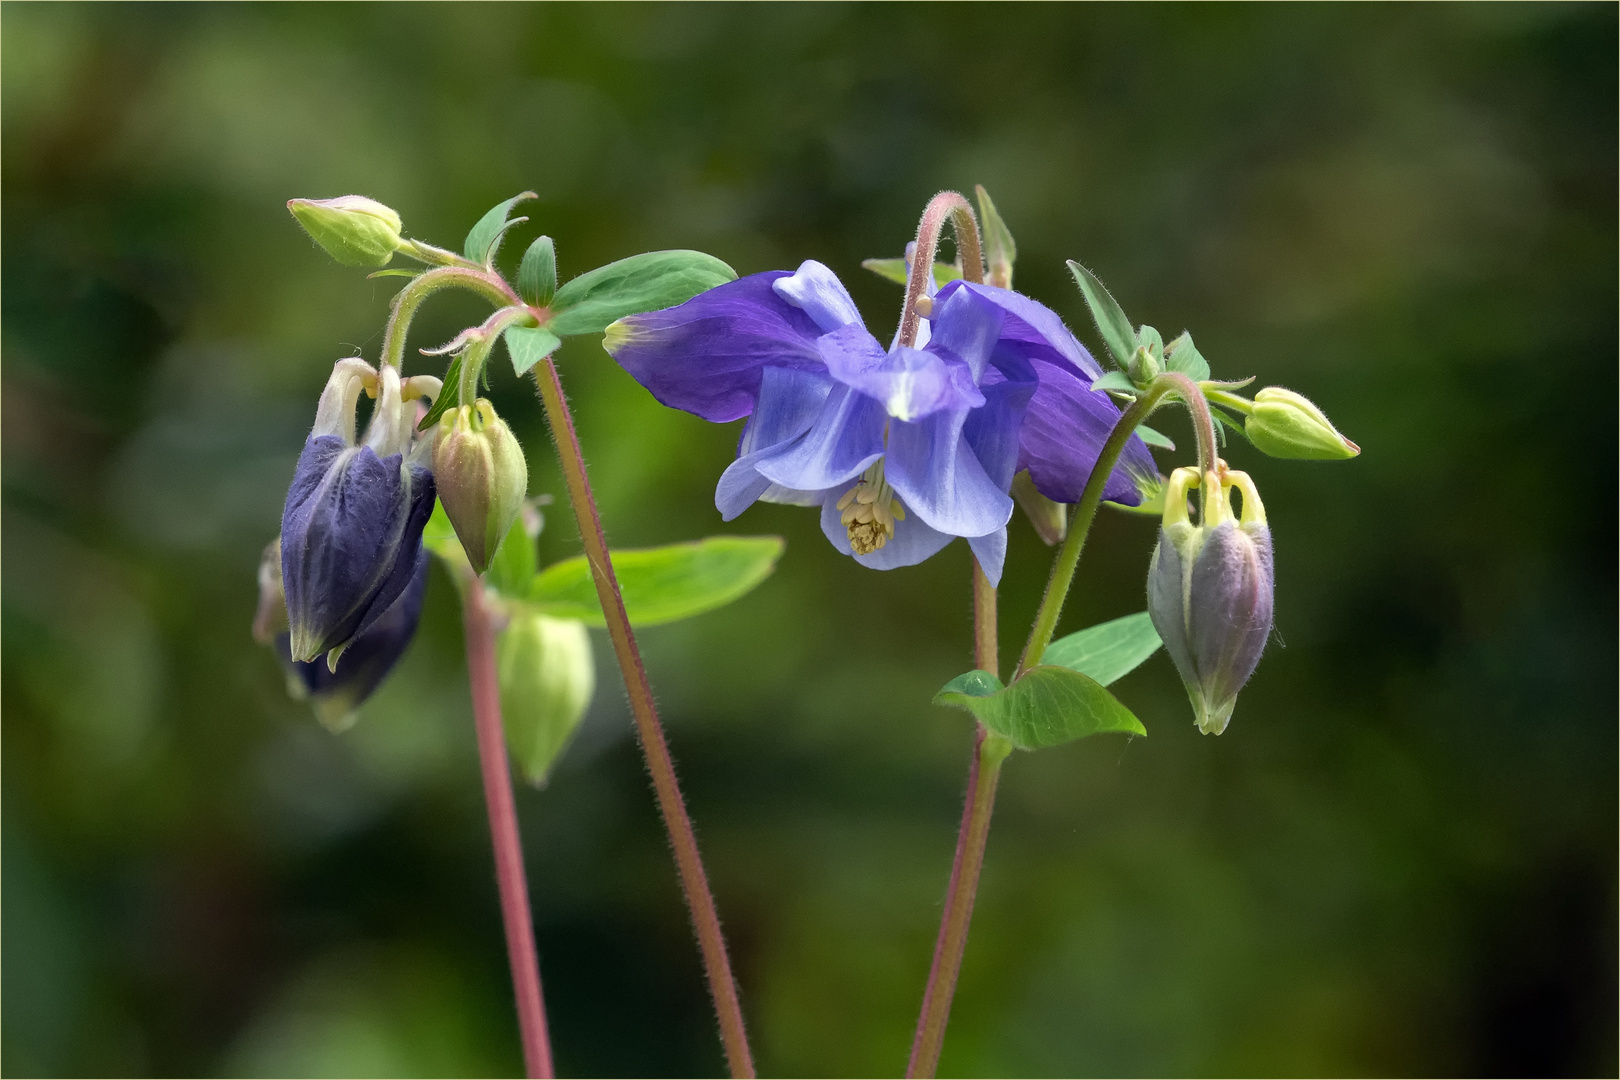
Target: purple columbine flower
x=901 y=449
x=351 y=530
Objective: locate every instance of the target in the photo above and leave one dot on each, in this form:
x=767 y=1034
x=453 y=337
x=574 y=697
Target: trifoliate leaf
x=1046 y=706
x=1107 y=651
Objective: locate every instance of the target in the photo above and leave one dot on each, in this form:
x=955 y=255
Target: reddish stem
x=503 y=830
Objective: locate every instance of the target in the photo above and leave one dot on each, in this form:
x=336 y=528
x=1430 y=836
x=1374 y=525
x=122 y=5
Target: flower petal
x=992 y=431
x=1063 y=433
x=818 y=292
x=991 y=551
x=846 y=437
x=706 y=356
x=966 y=327
x=913 y=540
x=931 y=467
x=789 y=402
x=1031 y=328
x=911 y=383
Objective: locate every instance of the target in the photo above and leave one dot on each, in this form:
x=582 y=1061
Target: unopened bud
x=1210 y=591
x=1144 y=368
x=547 y=677
x=354 y=230
x=1288 y=425
x=481 y=476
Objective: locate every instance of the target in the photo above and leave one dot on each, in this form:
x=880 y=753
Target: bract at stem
x=694 y=882
x=503 y=829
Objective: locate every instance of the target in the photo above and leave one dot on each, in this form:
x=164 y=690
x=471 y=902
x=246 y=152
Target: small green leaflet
x=661 y=584
x=449 y=395
x=1183 y=356
x=512 y=569
x=528 y=346
x=1154 y=438
x=650 y=282
x=485 y=236
x=1111 y=322
x=999 y=248
x=1114 y=380
x=537 y=274
x=1046 y=706
x=895 y=270
x=1107 y=651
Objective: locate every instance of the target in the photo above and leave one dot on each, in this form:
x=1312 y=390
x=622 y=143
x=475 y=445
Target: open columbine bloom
x=902 y=449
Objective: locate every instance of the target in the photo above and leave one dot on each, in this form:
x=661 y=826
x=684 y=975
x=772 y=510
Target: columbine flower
x=902 y=449
x=336 y=693
x=1210 y=591
x=352 y=527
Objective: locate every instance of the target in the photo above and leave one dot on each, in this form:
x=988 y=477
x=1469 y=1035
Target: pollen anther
x=868 y=512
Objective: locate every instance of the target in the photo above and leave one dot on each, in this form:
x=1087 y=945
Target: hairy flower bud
x=1288 y=425
x=482 y=478
x=1210 y=591
x=351 y=530
x=547 y=677
x=354 y=230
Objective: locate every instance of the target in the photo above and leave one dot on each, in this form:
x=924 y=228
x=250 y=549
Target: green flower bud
x=354 y=230
x=1144 y=368
x=482 y=478
x=1287 y=425
x=547 y=677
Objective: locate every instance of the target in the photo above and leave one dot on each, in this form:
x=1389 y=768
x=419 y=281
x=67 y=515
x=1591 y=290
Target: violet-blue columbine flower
x=902 y=449
x=1210 y=590
x=351 y=530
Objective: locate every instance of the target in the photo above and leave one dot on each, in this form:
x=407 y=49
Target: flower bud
x=1143 y=367
x=354 y=230
x=547 y=677
x=336 y=693
x=1288 y=425
x=351 y=529
x=482 y=478
x=1210 y=591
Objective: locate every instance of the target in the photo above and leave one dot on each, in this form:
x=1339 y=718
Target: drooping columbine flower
x=902 y=449
x=336 y=693
x=352 y=526
x=1210 y=591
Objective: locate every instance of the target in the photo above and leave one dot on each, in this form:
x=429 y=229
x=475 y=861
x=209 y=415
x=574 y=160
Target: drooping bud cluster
x=482 y=477
x=354 y=230
x=351 y=530
x=1210 y=590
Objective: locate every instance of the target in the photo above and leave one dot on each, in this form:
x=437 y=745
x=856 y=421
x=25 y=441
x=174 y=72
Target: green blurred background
x=1400 y=859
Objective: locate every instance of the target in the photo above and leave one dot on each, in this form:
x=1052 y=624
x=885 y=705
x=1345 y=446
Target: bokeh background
x=1400 y=859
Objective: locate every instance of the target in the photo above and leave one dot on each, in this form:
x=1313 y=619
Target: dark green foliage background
x=1399 y=860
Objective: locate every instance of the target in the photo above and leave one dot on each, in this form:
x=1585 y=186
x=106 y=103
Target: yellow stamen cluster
x=869 y=511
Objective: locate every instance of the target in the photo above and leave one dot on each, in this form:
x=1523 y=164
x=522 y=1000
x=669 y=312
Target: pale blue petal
x=846 y=438
x=789 y=402
x=966 y=328
x=913 y=540
x=911 y=383
x=817 y=291
x=991 y=551
x=939 y=479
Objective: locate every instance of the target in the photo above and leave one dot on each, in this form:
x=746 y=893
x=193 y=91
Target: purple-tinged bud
x=335 y=694
x=482 y=478
x=354 y=230
x=351 y=530
x=1210 y=591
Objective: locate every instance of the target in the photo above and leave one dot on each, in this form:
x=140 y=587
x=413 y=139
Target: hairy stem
x=503 y=830
x=694 y=882
x=947 y=204
x=407 y=300
x=1068 y=560
x=989 y=751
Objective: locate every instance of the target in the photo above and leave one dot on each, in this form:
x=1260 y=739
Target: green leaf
x=537 y=274
x=661 y=584
x=449 y=395
x=650 y=282
x=999 y=250
x=528 y=346
x=546 y=677
x=512 y=570
x=1114 y=380
x=1111 y=322
x=1148 y=338
x=1154 y=438
x=439 y=537
x=1046 y=706
x=895 y=270
x=1183 y=356
x=485 y=236
x=1107 y=651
